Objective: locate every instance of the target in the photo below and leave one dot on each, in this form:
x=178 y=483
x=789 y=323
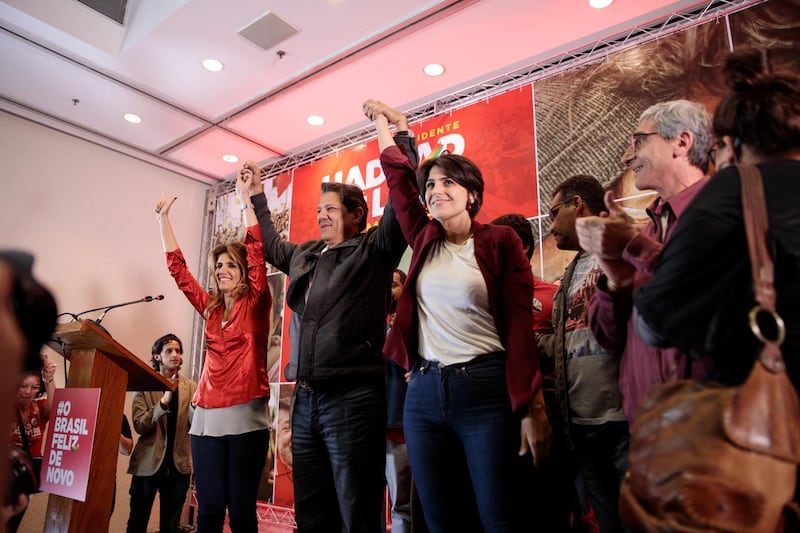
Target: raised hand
x=164 y=204
x=244 y=181
x=371 y=109
x=48 y=369
x=249 y=175
x=375 y=109
x=607 y=235
x=383 y=115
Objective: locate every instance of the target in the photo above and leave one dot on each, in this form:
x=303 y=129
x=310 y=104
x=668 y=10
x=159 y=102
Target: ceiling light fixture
x=600 y=4
x=434 y=69
x=132 y=118
x=230 y=158
x=315 y=120
x=212 y=65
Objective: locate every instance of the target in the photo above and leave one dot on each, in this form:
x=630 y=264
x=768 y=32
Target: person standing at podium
x=229 y=432
x=161 y=461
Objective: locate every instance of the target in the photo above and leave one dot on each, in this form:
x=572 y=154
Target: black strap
x=22 y=433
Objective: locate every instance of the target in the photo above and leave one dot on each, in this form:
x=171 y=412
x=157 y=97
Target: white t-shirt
x=455 y=323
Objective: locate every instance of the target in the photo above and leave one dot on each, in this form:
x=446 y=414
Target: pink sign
x=70 y=437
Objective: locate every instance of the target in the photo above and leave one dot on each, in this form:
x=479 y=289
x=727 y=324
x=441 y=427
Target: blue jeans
x=227 y=471
x=338 y=449
x=462 y=442
x=602 y=453
x=171 y=486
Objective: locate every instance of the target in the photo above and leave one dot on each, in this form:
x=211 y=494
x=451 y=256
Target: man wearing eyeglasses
x=669 y=153
x=586 y=374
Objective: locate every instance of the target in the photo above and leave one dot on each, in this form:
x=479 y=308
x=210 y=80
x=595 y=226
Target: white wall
x=86 y=213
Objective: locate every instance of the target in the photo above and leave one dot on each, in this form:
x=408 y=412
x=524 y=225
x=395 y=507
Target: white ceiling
x=66 y=66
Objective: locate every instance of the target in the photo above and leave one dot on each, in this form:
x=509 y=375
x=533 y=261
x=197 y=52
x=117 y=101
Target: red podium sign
x=70 y=438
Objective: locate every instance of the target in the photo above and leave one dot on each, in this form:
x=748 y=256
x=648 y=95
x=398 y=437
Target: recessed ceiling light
x=315 y=120
x=434 y=69
x=230 y=158
x=212 y=65
x=600 y=4
x=132 y=118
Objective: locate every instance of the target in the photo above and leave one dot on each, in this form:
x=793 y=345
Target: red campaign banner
x=70 y=439
x=497 y=134
x=359 y=166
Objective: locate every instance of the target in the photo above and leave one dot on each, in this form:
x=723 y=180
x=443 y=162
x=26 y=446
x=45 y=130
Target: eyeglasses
x=556 y=208
x=637 y=139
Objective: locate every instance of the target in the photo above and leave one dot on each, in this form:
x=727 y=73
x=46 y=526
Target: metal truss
x=276 y=515
x=674 y=22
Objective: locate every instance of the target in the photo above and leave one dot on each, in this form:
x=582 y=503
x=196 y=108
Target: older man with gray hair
x=668 y=153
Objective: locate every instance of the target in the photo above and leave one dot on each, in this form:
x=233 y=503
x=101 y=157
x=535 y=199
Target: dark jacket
x=395 y=394
x=702 y=290
x=505 y=270
x=339 y=330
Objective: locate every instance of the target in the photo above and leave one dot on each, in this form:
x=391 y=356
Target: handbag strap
x=763 y=414
x=22 y=433
x=754 y=212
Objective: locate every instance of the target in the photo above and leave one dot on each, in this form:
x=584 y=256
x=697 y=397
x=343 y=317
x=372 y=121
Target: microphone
x=108 y=308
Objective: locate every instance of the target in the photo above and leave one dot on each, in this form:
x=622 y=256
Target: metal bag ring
x=756 y=329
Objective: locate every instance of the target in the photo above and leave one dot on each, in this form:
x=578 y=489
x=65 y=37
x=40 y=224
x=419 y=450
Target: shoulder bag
x=704 y=457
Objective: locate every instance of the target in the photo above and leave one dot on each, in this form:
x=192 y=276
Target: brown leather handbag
x=704 y=457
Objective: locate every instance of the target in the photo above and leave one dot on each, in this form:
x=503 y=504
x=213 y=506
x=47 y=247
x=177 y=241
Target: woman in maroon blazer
x=464 y=329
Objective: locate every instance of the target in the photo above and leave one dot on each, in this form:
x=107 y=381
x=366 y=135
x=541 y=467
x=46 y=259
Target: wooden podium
x=98 y=361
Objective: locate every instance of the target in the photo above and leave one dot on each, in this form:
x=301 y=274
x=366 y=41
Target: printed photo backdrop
x=584 y=116
x=526 y=142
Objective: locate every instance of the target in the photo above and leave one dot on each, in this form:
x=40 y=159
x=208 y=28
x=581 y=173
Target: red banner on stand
x=70 y=439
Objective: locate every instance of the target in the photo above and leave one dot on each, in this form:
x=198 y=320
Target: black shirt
x=701 y=291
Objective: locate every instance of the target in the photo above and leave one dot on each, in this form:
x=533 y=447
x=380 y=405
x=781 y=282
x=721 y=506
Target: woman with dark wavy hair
x=229 y=431
x=701 y=292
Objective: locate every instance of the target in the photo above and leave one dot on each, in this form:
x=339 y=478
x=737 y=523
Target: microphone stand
x=108 y=308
